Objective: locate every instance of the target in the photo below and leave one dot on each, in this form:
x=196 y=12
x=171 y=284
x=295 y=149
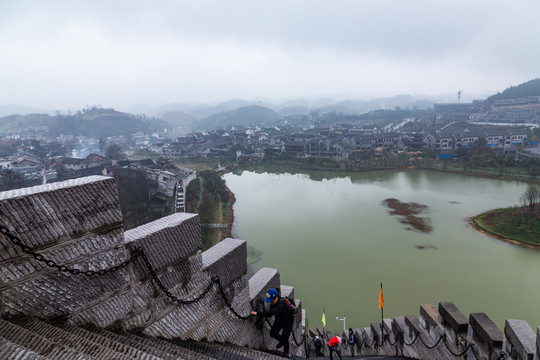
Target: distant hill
x=205 y=112
x=94 y=122
x=350 y=107
x=247 y=115
x=172 y=112
x=295 y=110
x=180 y=119
x=14 y=123
x=529 y=88
x=13 y=109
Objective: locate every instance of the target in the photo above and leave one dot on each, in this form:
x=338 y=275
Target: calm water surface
x=332 y=239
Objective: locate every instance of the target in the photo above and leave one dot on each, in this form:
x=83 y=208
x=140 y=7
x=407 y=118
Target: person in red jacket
x=283 y=319
x=334 y=345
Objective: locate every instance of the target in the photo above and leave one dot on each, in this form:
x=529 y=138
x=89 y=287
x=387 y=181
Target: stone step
x=107 y=341
x=79 y=343
x=226 y=351
x=32 y=342
x=33 y=339
x=178 y=349
x=10 y=350
x=157 y=347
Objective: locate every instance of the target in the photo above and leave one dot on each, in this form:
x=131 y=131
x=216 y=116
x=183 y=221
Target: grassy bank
x=511 y=225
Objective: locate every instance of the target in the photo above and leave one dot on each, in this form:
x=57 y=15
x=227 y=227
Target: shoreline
x=479 y=228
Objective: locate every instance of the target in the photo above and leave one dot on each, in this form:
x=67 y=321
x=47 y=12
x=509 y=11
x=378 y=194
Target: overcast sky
x=69 y=54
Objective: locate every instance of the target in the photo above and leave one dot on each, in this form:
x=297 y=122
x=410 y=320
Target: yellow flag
x=323 y=319
x=381 y=298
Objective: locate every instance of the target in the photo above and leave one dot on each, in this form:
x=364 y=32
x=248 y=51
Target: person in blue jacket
x=283 y=319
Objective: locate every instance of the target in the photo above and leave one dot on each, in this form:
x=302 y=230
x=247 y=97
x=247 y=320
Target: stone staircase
x=30 y=338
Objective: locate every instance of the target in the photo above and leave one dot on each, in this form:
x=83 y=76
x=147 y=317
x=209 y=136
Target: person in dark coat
x=352 y=340
x=283 y=319
x=318 y=346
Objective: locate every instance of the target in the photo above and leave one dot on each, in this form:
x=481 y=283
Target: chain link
x=63 y=268
x=363 y=342
x=416 y=338
x=396 y=341
x=457 y=354
x=430 y=347
x=301 y=342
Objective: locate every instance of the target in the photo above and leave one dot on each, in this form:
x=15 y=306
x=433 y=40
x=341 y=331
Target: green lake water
x=332 y=239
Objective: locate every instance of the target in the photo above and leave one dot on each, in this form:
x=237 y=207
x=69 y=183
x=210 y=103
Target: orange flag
x=381 y=298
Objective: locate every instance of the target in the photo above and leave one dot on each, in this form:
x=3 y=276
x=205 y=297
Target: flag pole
x=381 y=303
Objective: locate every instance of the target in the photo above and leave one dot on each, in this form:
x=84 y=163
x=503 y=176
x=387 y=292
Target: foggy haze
x=70 y=54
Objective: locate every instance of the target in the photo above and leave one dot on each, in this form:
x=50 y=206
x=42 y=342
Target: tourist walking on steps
x=283 y=319
x=352 y=340
x=334 y=345
x=318 y=345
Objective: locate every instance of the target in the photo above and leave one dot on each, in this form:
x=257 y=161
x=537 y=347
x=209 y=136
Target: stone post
x=519 y=340
x=485 y=336
x=455 y=326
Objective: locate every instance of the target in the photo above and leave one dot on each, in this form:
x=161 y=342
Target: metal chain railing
x=416 y=338
x=301 y=342
x=39 y=257
x=139 y=252
x=428 y=346
x=307 y=345
x=442 y=338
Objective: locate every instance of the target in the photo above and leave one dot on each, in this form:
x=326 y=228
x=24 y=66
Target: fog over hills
x=297 y=106
x=282 y=107
x=233 y=112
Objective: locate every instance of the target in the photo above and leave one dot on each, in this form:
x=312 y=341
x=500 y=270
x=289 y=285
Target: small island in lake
x=408 y=213
x=516 y=225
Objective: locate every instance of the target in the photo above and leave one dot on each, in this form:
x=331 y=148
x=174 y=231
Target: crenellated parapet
x=65 y=257
x=446 y=333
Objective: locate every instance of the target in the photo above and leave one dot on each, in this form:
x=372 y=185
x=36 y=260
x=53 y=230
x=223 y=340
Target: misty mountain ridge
x=300 y=106
x=100 y=122
x=244 y=116
x=14 y=109
x=93 y=122
x=529 y=88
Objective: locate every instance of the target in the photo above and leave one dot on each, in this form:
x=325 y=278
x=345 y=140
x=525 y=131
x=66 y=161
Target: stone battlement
x=444 y=334
x=65 y=258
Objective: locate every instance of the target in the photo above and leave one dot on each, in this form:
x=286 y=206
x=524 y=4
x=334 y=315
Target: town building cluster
x=465 y=125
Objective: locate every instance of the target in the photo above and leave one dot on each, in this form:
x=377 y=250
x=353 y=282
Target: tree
x=533 y=171
x=529 y=198
x=61 y=171
x=102 y=145
x=134 y=195
x=114 y=152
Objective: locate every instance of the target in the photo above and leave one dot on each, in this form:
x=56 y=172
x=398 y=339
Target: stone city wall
x=444 y=334
x=65 y=257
